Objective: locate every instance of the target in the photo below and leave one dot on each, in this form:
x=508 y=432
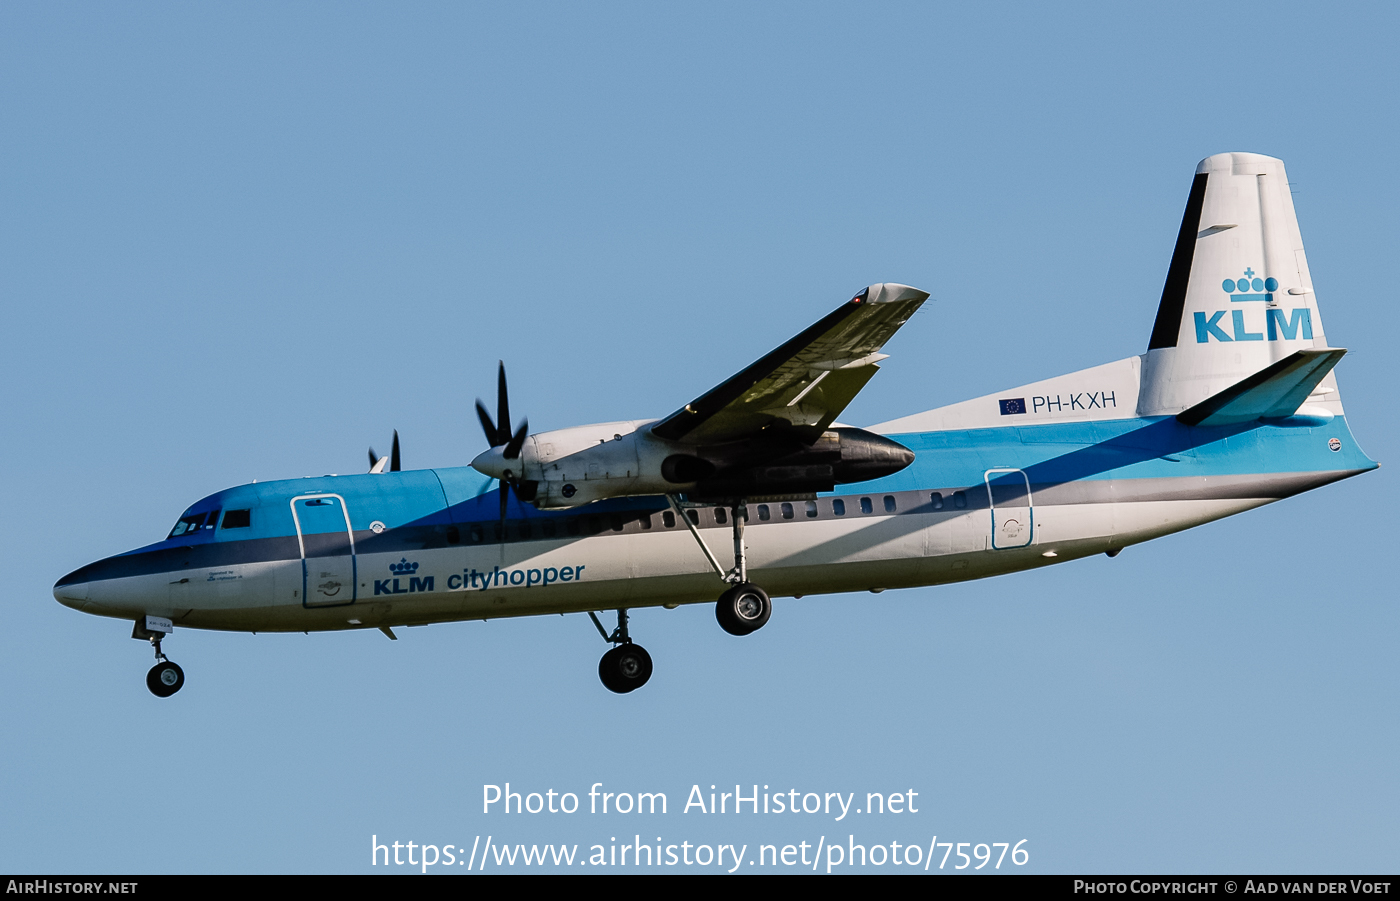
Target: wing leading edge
x=805 y=383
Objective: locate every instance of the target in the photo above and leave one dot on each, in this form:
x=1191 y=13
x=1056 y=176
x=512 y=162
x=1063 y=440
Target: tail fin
x=1238 y=296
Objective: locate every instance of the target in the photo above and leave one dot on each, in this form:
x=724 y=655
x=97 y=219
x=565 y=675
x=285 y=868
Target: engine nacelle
x=588 y=463
x=839 y=456
x=570 y=467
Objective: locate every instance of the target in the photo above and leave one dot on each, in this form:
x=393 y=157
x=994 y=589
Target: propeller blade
x=487 y=425
x=394 y=454
x=373 y=460
x=505 y=486
x=502 y=407
x=513 y=448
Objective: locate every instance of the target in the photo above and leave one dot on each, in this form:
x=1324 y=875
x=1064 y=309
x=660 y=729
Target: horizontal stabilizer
x=1273 y=392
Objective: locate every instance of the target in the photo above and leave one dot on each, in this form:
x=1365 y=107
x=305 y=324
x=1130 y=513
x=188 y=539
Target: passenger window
x=499 y=531
x=787 y=510
x=645 y=520
x=889 y=503
x=238 y=519
x=475 y=534
x=959 y=499
x=616 y=521
x=811 y=509
x=525 y=531
x=693 y=516
x=571 y=525
x=453 y=535
x=763 y=514
x=937 y=500
x=720 y=516
x=668 y=519
x=744 y=512
x=866 y=506
x=838 y=507
x=549 y=528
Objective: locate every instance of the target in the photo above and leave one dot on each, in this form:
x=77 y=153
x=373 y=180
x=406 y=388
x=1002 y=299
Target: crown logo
x=403 y=567
x=1249 y=287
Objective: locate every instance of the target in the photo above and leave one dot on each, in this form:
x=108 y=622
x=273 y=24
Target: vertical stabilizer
x=1238 y=296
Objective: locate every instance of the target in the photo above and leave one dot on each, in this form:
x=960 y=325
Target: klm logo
x=1277 y=325
x=403 y=570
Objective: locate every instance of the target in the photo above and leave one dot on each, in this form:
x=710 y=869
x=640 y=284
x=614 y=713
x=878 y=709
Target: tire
x=164 y=679
x=625 y=668
x=743 y=609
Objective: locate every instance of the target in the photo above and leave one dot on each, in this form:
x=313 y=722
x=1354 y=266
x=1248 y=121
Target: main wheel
x=625 y=668
x=165 y=679
x=743 y=609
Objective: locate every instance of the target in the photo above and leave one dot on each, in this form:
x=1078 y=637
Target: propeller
x=377 y=464
x=498 y=435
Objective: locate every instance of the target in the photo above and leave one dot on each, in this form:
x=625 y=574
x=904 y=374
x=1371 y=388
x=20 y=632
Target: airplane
x=1233 y=405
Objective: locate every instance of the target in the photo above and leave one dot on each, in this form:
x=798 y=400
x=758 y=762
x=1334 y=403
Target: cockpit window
x=194 y=522
x=238 y=519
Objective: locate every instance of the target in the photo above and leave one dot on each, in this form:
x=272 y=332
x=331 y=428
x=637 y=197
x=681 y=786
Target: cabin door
x=328 y=576
x=1013 y=521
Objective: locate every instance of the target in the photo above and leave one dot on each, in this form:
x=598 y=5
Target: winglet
x=1273 y=392
x=889 y=292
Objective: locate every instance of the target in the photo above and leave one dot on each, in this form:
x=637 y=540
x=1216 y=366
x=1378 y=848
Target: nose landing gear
x=166 y=677
x=626 y=667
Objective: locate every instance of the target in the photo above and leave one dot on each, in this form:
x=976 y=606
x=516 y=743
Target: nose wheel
x=626 y=667
x=166 y=677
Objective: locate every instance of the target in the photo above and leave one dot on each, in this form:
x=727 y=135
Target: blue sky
x=247 y=241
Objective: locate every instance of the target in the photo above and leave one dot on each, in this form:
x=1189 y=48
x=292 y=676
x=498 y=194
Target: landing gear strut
x=626 y=667
x=745 y=607
x=165 y=678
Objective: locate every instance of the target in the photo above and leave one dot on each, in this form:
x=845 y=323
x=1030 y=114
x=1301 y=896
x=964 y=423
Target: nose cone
x=492 y=462
x=72 y=590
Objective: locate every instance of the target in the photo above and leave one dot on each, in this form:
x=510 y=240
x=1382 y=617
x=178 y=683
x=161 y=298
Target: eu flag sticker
x=1012 y=406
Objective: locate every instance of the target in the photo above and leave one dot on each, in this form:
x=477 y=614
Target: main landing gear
x=166 y=677
x=627 y=667
x=745 y=607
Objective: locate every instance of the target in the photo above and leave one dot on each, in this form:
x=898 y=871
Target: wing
x=805 y=383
